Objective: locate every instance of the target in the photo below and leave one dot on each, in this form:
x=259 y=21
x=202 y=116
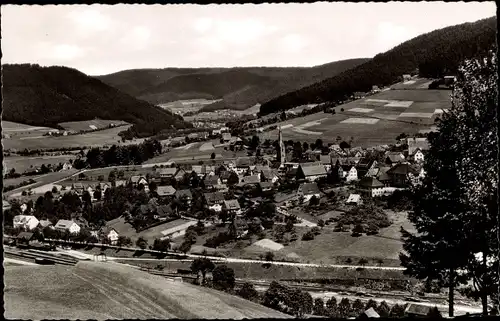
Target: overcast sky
x=99 y=39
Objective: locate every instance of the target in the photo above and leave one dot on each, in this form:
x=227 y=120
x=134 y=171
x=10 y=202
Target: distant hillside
x=239 y=88
x=102 y=291
x=435 y=54
x=46 y=96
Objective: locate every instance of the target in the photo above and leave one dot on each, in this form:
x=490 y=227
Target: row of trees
x=456 y=207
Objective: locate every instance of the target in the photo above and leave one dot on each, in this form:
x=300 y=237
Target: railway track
x=32 y=256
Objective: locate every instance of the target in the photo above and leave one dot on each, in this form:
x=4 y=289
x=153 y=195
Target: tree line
x=437 y=53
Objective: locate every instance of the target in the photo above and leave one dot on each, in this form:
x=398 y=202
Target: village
x=250 y=193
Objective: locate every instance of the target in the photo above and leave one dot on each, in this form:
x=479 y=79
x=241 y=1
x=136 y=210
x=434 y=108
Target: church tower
x=281 y=149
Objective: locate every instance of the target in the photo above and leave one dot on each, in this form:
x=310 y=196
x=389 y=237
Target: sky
x=102 y=39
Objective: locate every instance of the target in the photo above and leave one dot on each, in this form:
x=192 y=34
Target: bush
x=315 y=230
x=308 y=236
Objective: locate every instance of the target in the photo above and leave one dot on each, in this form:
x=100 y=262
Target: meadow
x=21 y=164
x=95 y=290
x=92 y=139
x=374 y=120
x=85 y=125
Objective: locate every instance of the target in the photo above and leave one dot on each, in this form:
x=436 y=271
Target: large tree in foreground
x=455 y=209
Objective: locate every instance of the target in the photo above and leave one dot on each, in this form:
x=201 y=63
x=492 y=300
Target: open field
x=92 y=290
x=184 y=106
x=374 y=120
x=21 y=164
x=98 y=138
x=12 y=127
x=40 y=181
x=85 y=125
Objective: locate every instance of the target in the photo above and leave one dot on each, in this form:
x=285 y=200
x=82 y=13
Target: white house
x=354 y=199
x=67 y=166
x=371 y=186
x=111 y=234
x=418 y=156
x=27 y=222
x=67 y=225
x=308 y=190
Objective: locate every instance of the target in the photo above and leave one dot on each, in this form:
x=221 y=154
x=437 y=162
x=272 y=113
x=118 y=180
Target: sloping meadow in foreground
x=92 y=290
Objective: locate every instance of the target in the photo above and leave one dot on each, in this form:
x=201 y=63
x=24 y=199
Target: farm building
x=266 y=186
x=365 y=165
x=66 y=225
x=27 y=222
x=394 y=158
x=326 y=160
x=238 y=227
x=176 y=228
x=308 y=190
x=383 y=177
x=24 y=238
x=269 y=175
x=163 y=212
x=137 y=180
x=311 y=171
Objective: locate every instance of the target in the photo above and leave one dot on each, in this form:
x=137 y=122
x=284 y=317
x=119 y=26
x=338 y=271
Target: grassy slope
x=60 y=94
x=107 y=290
x=239 y=88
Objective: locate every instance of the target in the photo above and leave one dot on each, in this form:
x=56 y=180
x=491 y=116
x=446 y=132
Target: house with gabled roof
x=45 y=223
x=180 y=174
x=120 y=182
x=163 y=212
x=419 y=142
x=67 y=225
x=308 y=190
x=238 y=227
x=418 y=155
x=137 y=180
x=232 y=207
x=110 y=234
x=383 y=177
x=214 y=200
x=249 y=180
x=163 y=191
x=354 y=199
x=27 y=222
x=166 y=172
x=402 y=174
x=394 y=158
x=326 y=160
x=211 y=181
x=370 y=186
x=266 y=186
x=311 y=171
x=78 y=188
x=364 y=165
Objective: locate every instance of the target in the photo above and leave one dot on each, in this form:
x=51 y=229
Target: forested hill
x=434 y=53
x=239 y=88
x=46 y=96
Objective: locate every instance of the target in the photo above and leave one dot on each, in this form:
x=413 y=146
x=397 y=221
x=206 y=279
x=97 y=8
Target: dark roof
x=394 y=157
x=414 y=143
x=310 y=188
x=214 y=197
x=365 y=163
x=25 y=235
x=183 y=192
x=281 y=197
x=268 y=173
x=212 y=180
x=232 y=205
x=253 y=179
x=244 y=161
x=313 y=170
x=225 y=174
x=382 y=174
x=402 y=169
x=370 y=182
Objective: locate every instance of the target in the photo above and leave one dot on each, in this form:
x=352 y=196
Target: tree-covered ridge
x=46 y=96
x=434 y=54
x=239 y=87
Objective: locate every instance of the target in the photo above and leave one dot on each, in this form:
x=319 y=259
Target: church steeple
x=281 y=149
